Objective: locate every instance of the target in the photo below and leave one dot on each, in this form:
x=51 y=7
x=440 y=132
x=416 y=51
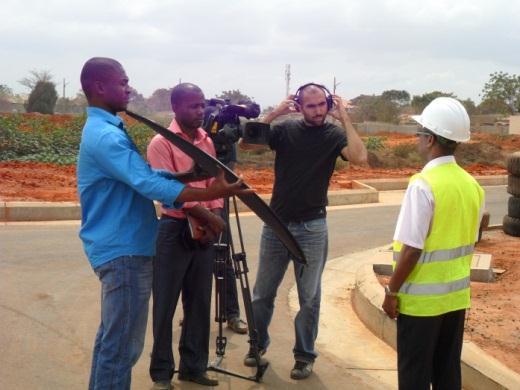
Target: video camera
x=222 y=123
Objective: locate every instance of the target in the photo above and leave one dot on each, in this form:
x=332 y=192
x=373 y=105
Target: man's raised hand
x=340 y=107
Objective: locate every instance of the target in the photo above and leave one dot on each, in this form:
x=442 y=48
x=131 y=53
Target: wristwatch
x=389 y=293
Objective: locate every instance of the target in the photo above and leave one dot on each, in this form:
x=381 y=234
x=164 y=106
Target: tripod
x=224 y=254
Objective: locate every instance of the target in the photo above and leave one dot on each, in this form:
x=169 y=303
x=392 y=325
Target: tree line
x=500 y=95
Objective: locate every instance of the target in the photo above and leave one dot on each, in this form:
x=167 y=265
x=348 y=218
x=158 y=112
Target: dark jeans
x=178 y=268
x=125 y=292
x=428 y=351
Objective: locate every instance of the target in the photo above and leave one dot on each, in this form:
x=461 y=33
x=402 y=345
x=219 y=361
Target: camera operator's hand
x=287 y=106
x=339 y=111
x=220 y=188
x=213 y=226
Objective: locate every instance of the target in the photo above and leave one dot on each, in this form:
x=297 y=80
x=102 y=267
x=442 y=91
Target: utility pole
x=287 y=79
x=64 y=85
x=335 y=85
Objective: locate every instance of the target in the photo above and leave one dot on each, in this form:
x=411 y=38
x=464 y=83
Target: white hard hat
x=447 y=117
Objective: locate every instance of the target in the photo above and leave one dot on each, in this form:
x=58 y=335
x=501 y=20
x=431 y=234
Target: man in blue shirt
x=118 y=228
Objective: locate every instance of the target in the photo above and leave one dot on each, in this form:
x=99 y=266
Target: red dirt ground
x=29 y=181
x=494 y=319
x=507 y=143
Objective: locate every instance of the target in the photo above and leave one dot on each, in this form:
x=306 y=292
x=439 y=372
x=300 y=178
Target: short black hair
x=180 y=91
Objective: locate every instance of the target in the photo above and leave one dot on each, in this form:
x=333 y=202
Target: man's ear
x=99 y=87
x=431 y=141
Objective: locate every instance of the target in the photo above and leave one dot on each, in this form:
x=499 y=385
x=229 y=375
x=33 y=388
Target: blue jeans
x=126 y=283
x=274 y=259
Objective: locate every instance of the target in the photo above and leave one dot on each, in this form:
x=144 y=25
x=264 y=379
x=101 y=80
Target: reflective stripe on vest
x=434 y=288
x=443 y=254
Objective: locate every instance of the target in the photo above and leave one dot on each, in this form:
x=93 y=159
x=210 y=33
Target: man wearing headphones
x=306 y=151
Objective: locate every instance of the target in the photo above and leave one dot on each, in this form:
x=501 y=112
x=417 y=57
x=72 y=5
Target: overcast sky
x=370 y=46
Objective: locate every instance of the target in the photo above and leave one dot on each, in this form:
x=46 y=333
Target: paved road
x=49 y=303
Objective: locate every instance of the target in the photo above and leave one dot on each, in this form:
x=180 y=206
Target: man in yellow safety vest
x=434 y=240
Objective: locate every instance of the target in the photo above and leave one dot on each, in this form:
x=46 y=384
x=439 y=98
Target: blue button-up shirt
x=116 y=187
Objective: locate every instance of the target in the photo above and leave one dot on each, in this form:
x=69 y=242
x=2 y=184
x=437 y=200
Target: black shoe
x=250 y=360
x=301 y=370
x=237 y=325
x=201 y=379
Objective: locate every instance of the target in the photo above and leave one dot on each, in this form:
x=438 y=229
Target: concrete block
x=481 y=269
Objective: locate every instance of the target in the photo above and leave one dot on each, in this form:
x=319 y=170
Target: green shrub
x=375 y=143
x=52 y=139
x=40 y=138
x=404 y=150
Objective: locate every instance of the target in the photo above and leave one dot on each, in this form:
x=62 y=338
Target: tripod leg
x=221 y=253
x=241 y=270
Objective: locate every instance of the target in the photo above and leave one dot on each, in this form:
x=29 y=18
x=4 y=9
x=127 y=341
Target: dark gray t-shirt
x=304 y=163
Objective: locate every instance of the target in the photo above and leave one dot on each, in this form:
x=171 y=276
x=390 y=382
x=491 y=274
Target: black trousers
x=179 y=268
x=428 y=351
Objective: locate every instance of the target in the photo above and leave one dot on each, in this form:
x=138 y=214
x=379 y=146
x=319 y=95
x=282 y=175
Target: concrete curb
x=61 y=211
x=39 y=211
x=359 y=194
x=480 y=371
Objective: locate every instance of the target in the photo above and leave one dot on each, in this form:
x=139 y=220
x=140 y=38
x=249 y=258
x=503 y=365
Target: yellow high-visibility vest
x=439 y=282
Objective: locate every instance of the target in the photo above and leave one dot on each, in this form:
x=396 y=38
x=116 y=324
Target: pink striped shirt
x=162 y=154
